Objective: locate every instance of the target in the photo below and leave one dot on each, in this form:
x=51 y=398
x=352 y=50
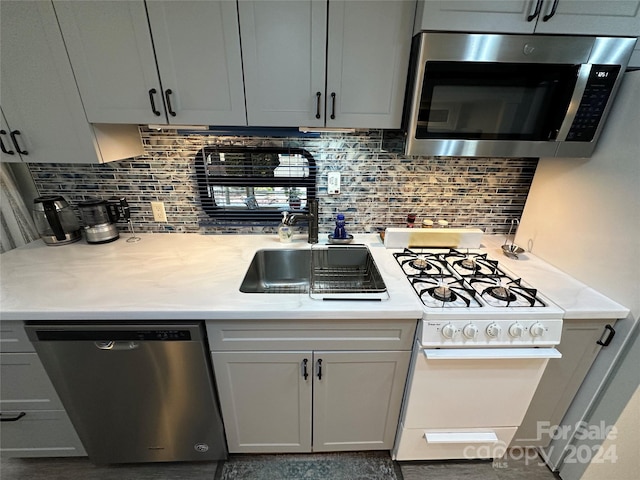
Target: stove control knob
x=493 y=330
x=449 y=331
x=470 y=331
x=537 y=330
x=516 y=330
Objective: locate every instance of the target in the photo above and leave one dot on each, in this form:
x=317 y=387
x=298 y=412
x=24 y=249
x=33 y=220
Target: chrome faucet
x=311 y=217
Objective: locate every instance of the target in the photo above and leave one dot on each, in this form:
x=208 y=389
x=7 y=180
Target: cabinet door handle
x=13 y=418
x=319 y=362
x=152 y=92
x=167 y=97
x=14 y=134
x=552 y=12
x=333 y=105
x=318 y=96
x=2 y=147
x=305 y=374
x=610 y=333
x=536 y=12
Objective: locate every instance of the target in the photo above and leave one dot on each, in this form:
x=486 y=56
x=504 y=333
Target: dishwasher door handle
x=116 y=345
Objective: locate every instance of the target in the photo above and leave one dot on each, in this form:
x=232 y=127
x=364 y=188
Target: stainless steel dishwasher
x=135 y=392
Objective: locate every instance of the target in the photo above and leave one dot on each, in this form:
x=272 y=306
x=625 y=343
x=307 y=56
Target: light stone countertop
x=194 y=277
x=174 y=277
x=579 y=301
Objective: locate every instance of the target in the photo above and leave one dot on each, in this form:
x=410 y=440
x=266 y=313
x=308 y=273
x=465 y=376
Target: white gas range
x=481 y=348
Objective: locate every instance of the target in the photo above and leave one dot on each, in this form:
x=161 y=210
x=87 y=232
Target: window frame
x=235 y=216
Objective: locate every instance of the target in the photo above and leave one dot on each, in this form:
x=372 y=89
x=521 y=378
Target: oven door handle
x=489 y=353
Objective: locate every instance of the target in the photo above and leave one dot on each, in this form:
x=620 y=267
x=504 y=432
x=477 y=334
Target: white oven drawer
x=469 y=388
x=452 y=443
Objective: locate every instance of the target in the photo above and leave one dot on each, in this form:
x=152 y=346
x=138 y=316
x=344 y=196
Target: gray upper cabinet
x=366 y=46
x=283 y=53
x=42 y=118
x=576 y=17
x=198 y=58
x=367 y=62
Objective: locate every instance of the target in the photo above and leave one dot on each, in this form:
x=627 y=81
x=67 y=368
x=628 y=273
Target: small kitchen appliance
x=481 y=348
x=100 y=217
x=56 y=222
x=511 y=95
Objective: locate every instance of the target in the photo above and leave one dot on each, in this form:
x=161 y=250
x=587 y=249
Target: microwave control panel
x=594 y=100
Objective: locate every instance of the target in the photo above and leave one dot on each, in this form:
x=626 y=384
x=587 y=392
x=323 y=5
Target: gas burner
x=420 y=263
x=469 y=263
x=445 y=291
x=442 y=292
x=501 y=293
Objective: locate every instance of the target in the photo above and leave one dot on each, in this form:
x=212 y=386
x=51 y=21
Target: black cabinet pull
x=152 y=92
x=13 y=418
x=319 y=369
x=14 y=134
x=167 y=94
x=2 y=147
x=552 y=13
x=610 y=333
x=333 y=105
x=305 y=374
x=318 y=95
x=536 y=11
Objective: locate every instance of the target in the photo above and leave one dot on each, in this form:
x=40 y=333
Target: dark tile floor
x=513 y=467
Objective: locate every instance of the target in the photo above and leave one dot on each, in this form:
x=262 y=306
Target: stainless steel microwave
x=491 y=95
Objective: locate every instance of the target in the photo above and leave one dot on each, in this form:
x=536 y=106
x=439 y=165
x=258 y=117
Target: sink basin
x=326 y=272
x=278 y=271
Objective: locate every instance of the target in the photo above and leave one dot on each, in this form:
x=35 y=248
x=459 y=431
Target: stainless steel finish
x=581 y=84
x=55 y=220
x=312 y=218
x=135 y=392
x=278 y=271
x=513 y=49
x=512 y=251
x=106 y=232
x=324 y=272
x=346 y=272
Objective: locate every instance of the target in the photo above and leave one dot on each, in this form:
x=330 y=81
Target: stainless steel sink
x=278 y=271
x=325 y=272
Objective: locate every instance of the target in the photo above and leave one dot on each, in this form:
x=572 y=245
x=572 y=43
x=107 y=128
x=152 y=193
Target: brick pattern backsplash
x=378 y=188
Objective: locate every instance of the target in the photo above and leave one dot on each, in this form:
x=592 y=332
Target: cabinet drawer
x=412 y=443
x=40 y=434
x=25 y=384
x=321 y=334
x=13 y=338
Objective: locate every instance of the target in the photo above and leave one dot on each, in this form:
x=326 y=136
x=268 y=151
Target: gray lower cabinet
x=561 y=381
x=332 y=393
x=34 y=423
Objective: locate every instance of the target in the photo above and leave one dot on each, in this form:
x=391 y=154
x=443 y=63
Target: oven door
x=467 y=403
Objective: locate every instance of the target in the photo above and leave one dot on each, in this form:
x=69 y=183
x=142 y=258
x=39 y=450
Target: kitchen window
x=254 y=184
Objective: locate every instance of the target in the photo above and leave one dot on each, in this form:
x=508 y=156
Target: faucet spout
x=311 y=217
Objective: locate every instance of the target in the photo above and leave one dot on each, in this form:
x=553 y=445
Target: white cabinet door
x=283 y=53
x=41 y=105
x=611 y=17
x=197 y=47
x=511 y=16
x=367 y=62
x=265 y=400
x=110 y=48
x=571 y=17
x=356 y=399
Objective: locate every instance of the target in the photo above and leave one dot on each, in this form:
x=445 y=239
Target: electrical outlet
x=159 y=214
x=333 y=183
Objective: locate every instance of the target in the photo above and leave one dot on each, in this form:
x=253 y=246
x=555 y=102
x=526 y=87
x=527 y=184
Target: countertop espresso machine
x=100 y=217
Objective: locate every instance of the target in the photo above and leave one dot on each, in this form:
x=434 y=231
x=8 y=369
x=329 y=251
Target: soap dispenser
x=284 y=231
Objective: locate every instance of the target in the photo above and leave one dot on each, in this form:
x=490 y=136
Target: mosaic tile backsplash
x=378 y=189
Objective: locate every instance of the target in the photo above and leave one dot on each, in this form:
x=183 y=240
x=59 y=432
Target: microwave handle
x=536 y=12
